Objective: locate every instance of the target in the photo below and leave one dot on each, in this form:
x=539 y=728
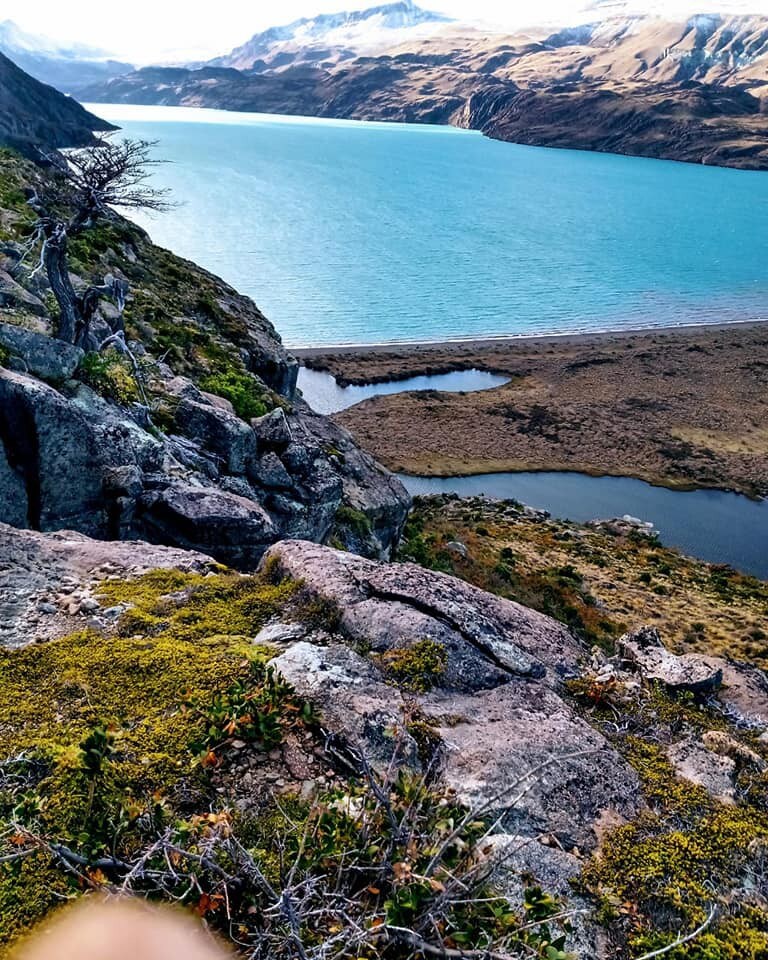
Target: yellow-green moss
x=192 y=606
x=662 y=872
x=110 y=375
x=190 y=639
x=417 y=668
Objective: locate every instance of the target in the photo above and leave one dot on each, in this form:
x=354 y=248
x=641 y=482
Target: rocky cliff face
x=214 y=451
x=35 y=117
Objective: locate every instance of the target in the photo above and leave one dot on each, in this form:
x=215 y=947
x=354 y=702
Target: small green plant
x=97 y=750
x=245 y=392
x=317 y=613
x=110 y=375
x=354 y=520
x=257 y=709
x=417 y=668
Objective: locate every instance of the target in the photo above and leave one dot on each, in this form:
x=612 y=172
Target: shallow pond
x=323 y=393
x=710 y=524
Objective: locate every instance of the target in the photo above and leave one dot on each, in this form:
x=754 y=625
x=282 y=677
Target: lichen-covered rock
x=523 y=740
x=366 y=486
x=352 y=698
x=516 y=862
x=695 y=762
x=51 y=446
x=690 y=672
x=744 y=692
x=44 y=357
x=270 y=472
x=491 y=707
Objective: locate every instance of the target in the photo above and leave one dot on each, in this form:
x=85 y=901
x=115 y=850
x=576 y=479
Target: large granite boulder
x=51 y=447
x=42 y=356
x=487 y=639
x=500 y=728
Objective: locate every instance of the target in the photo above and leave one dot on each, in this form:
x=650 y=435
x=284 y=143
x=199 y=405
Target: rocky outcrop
x=688 y=673
x=71 y=458
x=494 y=713
x=47 y=580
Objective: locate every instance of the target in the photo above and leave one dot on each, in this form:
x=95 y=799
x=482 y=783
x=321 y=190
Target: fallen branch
x=681 y=940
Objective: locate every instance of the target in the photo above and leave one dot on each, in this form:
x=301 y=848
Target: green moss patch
x=417 y=668
x=662 y=873
x=105 y=731
x=245 y=392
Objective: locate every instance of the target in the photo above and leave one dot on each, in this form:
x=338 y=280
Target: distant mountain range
x=689 y=89
x=69 y=69
x=332 y=37
x=35 y=118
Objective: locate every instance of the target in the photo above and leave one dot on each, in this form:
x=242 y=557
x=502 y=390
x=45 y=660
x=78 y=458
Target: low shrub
x=245 y=392
x=111 y=375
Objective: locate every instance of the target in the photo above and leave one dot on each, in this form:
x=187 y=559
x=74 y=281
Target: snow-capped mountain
x=69 y=68
x=334 y=36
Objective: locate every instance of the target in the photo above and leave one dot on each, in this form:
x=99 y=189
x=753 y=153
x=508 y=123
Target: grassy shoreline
x=682 y=407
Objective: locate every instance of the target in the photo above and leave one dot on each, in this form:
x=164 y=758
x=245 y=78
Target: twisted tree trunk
x=55 y=262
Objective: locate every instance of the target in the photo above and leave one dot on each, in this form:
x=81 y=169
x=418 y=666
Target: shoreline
x=509 y=339
x=679 y=407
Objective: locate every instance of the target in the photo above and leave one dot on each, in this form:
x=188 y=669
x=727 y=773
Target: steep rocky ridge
x=35 y=117
x=214 y=450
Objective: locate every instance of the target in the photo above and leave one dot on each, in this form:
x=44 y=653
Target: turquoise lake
x=348 y=232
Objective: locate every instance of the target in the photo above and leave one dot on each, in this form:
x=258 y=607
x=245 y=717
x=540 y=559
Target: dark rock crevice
x=19 y=439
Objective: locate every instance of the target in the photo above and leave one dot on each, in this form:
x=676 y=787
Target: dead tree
x=91 y=182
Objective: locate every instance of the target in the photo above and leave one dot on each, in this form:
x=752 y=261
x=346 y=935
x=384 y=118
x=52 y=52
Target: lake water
x=359 y=232
x=323 y=393
x=710 y=524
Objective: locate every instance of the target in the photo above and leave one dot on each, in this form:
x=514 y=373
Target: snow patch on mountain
x=361 y=31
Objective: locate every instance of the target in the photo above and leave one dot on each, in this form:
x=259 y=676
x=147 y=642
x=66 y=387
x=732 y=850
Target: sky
x=145 y=31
